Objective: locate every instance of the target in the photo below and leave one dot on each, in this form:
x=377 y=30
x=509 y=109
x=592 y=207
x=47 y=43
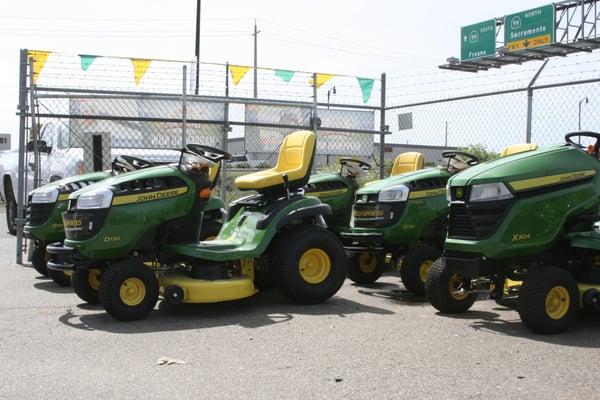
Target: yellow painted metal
x=94 y=276
x=557 y=302
x=549 y=180
x=132 y=291
x=421 y=194
x=452 y=286
x=314 y=266
x=367 y=262
x=203 y=291
x=63 y=197
x=149 y=196
x=247 y=265
x=424 y=269
x=329 y=193
x=68 y=273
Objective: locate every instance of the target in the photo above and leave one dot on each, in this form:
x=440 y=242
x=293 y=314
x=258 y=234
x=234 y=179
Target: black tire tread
x=38 y=259
x=436 y=288
x=357 y=275
x=82 y=288
x=409 y=272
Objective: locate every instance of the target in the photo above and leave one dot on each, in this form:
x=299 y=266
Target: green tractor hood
x=408 y=178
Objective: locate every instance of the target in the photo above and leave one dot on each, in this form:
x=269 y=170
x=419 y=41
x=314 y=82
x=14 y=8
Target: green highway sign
x=478 y=40
x=530 y=29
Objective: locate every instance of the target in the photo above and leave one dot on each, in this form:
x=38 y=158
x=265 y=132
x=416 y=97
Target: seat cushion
x=518 y=148
x=295 y=158
x=407 y=162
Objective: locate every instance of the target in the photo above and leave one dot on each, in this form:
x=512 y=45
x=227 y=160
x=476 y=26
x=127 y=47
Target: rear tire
x=39 y=259
x=415 y=268
x=86 y=284
x=309 y=264
x=60 y=278
x=11 y=210
x=128 y=290
x=365 y=268
x=548 y=300
x=439 y=289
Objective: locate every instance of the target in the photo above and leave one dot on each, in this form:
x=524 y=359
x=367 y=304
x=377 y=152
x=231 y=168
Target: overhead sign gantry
x=554 y=30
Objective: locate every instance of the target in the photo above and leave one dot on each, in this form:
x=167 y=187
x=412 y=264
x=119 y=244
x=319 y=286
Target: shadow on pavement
x=50 y=286
x=583 y=333
x=390 y=291
x=266 y=308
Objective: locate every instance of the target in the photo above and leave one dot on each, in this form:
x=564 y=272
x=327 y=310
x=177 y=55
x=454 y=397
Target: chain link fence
x=150 y=108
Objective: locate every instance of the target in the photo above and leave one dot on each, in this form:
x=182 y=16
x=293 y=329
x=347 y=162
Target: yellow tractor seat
x=407 y=162
x=518 y=148
x=295 y=160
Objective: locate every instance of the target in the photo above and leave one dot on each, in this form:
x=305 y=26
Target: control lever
x=286 y=185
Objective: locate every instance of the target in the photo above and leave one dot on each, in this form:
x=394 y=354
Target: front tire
x=416 y=266
x=548 y=300
x=309 y=264
x=39 y=259
x=86 y=284
x=445 y=290
x=128 y=290
x=365 y=268
x=11 y=211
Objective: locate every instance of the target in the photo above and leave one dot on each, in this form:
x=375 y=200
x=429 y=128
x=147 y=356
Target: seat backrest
x=213 y=173
x=407 y=162
x=296 y=157
x=518 y=148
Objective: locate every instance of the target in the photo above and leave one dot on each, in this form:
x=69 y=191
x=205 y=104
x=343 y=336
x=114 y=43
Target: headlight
x=448 y=194
x=95 y=199
x=45 y=195
x=489 y=192
x=394 y=194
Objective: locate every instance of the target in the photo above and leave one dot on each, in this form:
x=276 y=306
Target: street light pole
x=586 y=100
x=255 y=34
x=198 y=8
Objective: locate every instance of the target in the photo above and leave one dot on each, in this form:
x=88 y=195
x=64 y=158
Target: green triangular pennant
x=285 y=74
x=366 y=87
x=86 y=61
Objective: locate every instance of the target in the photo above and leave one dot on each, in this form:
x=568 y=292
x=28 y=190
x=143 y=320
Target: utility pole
x=198 y=8
x=255 y=34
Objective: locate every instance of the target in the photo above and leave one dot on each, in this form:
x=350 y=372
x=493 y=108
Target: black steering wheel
x=594 y=135
x=466 y=158
x=124 y=163
x=210 y=153
x=365 y=166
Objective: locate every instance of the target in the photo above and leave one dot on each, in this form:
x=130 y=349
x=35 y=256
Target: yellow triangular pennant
x=39 y=59
x=321 y=79
x=238 y=72
x=140 y=66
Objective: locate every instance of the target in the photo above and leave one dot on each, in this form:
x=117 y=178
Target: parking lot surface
x=375 y=342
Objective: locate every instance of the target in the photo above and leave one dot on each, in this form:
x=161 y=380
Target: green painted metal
x=536 y=218
x=478 y=40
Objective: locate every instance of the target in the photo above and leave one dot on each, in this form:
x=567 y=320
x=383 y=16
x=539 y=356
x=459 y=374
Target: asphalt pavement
x=375 y=342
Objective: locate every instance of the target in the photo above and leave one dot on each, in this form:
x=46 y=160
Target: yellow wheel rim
x=367 y=262
x=314 y=266
x=132 y=291
x=94 y=275
x=424 y=269
x=210 y=238
x=453 y=287
x=557 y=302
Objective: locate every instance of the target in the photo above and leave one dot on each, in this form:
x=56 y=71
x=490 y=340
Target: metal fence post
x=35 y=133
x=383 y=129
x=184 y=108
x=315 y=118
x=530 y=102
x=225 y=132
x=21 y=167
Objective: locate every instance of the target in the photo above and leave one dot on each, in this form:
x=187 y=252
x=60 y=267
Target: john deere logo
x=459 y=193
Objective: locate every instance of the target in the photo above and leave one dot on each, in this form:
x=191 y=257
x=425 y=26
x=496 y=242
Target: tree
x=480 y=151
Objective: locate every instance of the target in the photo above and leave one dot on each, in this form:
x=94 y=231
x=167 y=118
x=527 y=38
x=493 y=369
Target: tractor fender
x=304 y=212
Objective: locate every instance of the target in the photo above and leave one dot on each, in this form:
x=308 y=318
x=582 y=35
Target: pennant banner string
x=238 y=72
x=86 y=61
x=366 y=87
x=39 y=59
x=140 y=66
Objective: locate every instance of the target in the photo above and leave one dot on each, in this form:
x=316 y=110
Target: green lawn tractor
x=43 y=222
x=338 y=190
x=402 y=217
x=142 y=231
x=521 y=229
